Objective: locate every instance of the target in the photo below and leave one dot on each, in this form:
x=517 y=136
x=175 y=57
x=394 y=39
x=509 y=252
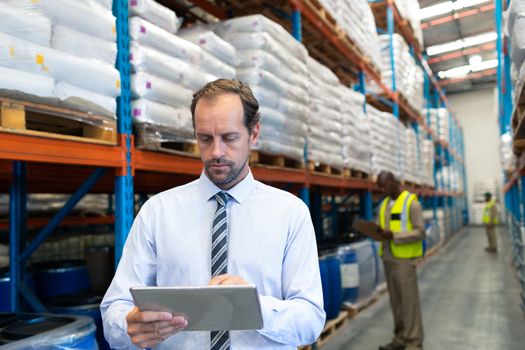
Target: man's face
x=388 y=186
x=223 y=139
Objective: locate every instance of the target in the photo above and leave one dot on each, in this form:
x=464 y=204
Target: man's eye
x=230 y=137
x=205 y=138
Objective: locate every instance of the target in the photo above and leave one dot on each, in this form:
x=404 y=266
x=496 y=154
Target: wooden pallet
x=272 y=160
x=319 y=47
x=354 y=309
x=332 y=327
x=355 y=174
x=158 y=139
x=324 y=169
x=41 y=120
x=401 y=26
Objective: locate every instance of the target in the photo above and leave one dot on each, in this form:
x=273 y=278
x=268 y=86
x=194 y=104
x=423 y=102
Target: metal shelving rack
x=508 y=110
x=34 y=164
x=447 y=154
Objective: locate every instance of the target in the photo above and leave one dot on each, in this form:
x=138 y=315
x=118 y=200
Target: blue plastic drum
x=334 y=276
x=5 y=293
x=55 y=278
x=349 y=273
x=82 y=304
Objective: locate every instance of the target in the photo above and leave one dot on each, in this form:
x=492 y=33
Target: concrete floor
x=470 y=300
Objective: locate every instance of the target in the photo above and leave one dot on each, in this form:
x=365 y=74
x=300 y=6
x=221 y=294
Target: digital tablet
x=208 y=308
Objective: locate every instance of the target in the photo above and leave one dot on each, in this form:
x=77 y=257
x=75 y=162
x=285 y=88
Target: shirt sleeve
x=136 y=268
x=299 y=318
x=418 y=227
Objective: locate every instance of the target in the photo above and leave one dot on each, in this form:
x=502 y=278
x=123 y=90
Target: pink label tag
x=148 y=85
x=137 y=112
x=134 y=2
x=131 y=57
x=202 y=41
x=143 y=29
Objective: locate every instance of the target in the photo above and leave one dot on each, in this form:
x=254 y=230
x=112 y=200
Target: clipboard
x=371 y=229
x=207 y=308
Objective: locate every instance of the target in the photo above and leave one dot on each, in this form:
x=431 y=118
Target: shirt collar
x=238 y=192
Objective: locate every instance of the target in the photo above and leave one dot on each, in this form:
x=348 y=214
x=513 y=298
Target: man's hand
x=226 y=280
x=148 y=328
x=387 y=234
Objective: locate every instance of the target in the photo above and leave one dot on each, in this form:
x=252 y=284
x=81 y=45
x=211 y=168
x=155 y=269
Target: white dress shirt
x=271 y=243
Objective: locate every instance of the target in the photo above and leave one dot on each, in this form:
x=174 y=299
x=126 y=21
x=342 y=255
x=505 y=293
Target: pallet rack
x=29 y=163
x=510 y=117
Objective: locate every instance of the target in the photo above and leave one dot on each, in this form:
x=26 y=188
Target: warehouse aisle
x=470 y=300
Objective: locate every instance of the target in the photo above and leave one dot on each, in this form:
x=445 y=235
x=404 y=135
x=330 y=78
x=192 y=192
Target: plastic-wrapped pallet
x=87 y=17
x=258 y=24
x=167 y=69
x=28 y=25
x=409 y=76
x=516 y=28
x=409 y=10
x=83 y=81
x=325 y=142
x=272 y=63
x=439 y=122
x=151 y=36
x=26 y=83
x=411 y=169
x=449 y=179
x=386 y=143
x=212 y=44
x=85 y=73
x=508 y=158
x=155 y=13
x=356 y=19
x=427 y=162
x=355 y=130
x=432 y=231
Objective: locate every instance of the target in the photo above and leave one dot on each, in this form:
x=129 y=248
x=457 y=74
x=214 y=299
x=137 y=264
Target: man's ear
x=254 y=136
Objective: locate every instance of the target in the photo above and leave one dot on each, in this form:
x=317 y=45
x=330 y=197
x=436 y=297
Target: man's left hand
x=227 y=279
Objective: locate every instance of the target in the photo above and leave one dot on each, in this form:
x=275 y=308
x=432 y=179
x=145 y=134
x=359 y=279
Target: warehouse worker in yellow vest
x=401 y=218
x=490 y=219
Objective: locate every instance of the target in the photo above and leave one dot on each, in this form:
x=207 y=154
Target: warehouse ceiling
x=471 y=63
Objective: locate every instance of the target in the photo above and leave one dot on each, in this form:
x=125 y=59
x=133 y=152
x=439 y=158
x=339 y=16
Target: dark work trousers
x=401 y=279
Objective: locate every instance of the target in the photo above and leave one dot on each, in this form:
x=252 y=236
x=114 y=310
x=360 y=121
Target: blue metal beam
x=366 y=205
x=296 y=25
x=390 y=28
x=17 y=201
x=124 y=194
x=62 y=213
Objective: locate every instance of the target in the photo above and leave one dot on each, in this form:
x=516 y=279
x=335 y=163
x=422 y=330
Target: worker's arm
x=418 y=227
x=493 y=213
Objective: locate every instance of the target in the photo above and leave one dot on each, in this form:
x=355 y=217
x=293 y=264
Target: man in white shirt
x=270 y=242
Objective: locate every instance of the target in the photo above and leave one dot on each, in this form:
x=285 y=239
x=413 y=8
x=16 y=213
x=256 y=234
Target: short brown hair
x=232 y=86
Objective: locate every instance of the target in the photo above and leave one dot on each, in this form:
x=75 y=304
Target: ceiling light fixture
x=476 y=59
x=447 y=7
x=462 y=71
x=461 y=43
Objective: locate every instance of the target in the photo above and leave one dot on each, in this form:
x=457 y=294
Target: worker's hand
x=148 y=328
x=226 y=280
x=387 y=234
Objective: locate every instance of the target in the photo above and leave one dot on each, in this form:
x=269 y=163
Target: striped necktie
x=220 y=340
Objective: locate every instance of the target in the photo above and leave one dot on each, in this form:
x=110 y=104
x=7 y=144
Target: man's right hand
x=387 y=234
x=148 y=328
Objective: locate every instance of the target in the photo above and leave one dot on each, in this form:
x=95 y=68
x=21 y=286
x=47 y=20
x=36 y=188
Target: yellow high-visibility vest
x=486 y=213
x=400 y=222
